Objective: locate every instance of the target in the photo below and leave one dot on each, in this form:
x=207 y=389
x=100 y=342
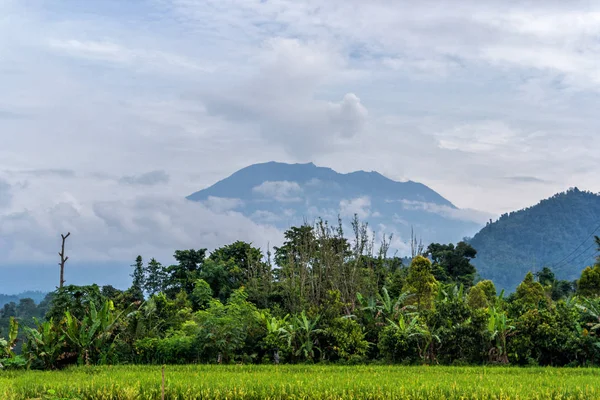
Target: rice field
x=302 y=382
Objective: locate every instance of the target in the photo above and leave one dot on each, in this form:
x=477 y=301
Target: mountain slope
x=557 y=232
x=286 y=194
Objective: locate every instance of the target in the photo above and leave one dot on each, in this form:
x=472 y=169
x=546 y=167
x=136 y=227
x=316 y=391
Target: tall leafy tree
x=155 y=277
x=137 y=285
x=421 y=283
x=182 y=276
x=453 y=264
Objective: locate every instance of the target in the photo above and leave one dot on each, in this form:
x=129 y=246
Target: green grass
x=303 y=382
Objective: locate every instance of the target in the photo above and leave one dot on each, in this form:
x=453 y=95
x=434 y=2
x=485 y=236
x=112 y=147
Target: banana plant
x=276 y=333
x=93 y=337
x=45 y=343
x=7 y=345
x=427 y=343
x=302 y=336
x=392 y=308
x=499 y=328
x=405 y=324
x=591 y=308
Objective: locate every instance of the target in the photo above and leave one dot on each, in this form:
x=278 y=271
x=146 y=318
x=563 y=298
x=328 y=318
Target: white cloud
x=463 y=214
x=148 y=178
x=361 y=206
x=280 y=97
x=115 y=53
x=222 y=204
x=283 y=191
x=119 y=230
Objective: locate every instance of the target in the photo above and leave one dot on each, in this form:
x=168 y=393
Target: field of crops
x=302 y=382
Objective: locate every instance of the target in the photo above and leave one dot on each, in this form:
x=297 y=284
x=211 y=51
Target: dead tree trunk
x=63 y=259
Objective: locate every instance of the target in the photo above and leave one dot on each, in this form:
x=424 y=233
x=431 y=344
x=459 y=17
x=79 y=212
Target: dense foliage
x=254 y=382
x=325 y=299
x=555 y=233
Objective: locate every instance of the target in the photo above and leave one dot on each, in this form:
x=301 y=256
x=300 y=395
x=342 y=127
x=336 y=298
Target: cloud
x=148 y=178
x=119 y=230
x=525 y=179
x=281 y=99
x=448 y=212
x=222 y=204
x=45 y=172
x=5 y=194
x=282 y=191
x=361 y=206
x=117 y=54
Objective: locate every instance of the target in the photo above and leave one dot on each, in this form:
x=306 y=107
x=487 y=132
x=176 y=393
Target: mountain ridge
x=267 y=191
x=546 y=234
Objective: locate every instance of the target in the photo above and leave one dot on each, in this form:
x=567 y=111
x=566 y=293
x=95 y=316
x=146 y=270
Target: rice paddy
x=301 y=382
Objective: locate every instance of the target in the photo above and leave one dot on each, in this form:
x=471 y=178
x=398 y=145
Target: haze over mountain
x=558 y=233
x=287 y=194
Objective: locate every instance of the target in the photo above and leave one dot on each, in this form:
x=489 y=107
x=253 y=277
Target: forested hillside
x=557 y=233
x=36 y=296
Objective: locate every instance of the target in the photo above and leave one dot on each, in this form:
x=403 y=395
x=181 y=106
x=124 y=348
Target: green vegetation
x=305 y=382
x=543 y=235
x=327 y=299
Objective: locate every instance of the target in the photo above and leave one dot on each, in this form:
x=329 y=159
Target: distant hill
x=284 y=195
x=37 y=296
x=557 y=233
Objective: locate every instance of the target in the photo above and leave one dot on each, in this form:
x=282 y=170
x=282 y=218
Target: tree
x=138 y=273
x=26 y=308
x=202 y=295
x=588 y=284
x=155 y=277
x=63 y=259
x=183 y=275
x=453 y=264
x=421 y=282
x=528 y=295
x=476 y=298
x=75 y=299
x=482 y=295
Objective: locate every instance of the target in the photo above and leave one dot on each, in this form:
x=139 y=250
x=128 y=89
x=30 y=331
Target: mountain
x=37 y=296
x=284 y=195
x=557 y=232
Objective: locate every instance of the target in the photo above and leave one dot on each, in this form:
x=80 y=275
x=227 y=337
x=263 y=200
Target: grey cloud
x=49 y=172
x=280 y=99
x=525 y=179
x=5 y=114
x=146 y=179
x=5 y=194
x=119 y=230
x=449 y=212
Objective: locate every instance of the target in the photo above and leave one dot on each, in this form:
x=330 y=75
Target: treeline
x=320 y=297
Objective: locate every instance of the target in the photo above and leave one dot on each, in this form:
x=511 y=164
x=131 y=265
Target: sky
x=112 y=111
